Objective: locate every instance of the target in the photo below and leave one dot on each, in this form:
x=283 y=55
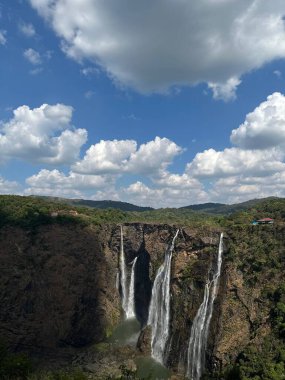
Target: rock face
x=58 y=287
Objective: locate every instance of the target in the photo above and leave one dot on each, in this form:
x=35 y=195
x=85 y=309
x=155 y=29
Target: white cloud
x=27 y=29
x=264 y=127
x=153 y=46
x=33 y=56
x=51 y=182
x=42 y=135
x=240 y=188
x=122 y=156
x=8 y=187
x=143 y=195
x=225 y=91
x=105 y=157
x=183 y=181
x=232 y=175
x=253 y=169
x=153 y=157
x=233 y=161
x=3 y=38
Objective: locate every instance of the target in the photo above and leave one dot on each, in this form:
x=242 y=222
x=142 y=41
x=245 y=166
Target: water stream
x=123 y=276
x=201 y=323
x=130 y=312
x=159 y=310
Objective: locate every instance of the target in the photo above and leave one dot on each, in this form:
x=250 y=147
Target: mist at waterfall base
x=201 y=323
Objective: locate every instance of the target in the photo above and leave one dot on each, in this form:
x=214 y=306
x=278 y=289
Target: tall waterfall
x=123 y=276
x=200 y=328
x=159 y=310
x=130 y=312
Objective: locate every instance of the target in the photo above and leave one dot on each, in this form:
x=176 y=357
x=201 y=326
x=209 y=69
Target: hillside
x=124 y=206
x=224 y=209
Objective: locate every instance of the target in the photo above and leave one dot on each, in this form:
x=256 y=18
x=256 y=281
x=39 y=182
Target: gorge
x=171 y=277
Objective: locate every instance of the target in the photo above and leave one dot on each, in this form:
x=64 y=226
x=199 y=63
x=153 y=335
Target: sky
x=161 y=103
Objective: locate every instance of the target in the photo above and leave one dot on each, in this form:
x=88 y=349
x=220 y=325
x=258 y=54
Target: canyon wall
x=58 y=285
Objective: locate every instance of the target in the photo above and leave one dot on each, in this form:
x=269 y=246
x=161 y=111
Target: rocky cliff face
x=58 y=286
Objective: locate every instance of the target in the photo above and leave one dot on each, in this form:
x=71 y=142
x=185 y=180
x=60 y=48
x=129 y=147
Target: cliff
x=58 y=286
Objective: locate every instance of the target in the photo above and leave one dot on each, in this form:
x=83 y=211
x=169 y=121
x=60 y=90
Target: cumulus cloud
x=122 y=156
x=240 y=188
x=255 y=168
x=3 y=38
x=106 y=157
x=234 y=174
x=233 y=161
x=153 y=157
x=42 y=135
x=27 y=29
x=225 y=91
x=141 y=194
x=153 y=46
x=33 y=56
x=264 y=127
x=51 y=182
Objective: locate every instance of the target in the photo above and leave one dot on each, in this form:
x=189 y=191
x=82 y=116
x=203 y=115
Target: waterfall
x=200 y=328
x=123 y=276
x=130 y=312
x=159 y=310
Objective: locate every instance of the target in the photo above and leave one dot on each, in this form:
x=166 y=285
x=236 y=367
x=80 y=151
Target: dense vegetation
x=123 y=206
x=30 y=212
x=224 y=209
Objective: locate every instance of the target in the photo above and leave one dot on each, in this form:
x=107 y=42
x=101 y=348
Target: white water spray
x=123 y=276
x=200 y=328
x=159 y=310
x=130 y=312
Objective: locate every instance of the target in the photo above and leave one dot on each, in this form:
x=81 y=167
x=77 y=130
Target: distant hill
x=205 y=208
x=224 y=209
x=124 y=206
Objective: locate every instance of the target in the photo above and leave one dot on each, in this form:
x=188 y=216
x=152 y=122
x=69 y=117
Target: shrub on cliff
x=59 y=375
x=13 y=366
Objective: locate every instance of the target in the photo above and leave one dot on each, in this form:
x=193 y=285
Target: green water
x=149 y=369
x=126 y=333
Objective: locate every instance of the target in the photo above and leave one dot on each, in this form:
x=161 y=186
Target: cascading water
x=200 y=328
x=159 y=310
x=130 y=312
x=123 y=277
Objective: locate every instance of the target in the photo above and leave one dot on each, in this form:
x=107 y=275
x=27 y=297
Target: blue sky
x=111 y=100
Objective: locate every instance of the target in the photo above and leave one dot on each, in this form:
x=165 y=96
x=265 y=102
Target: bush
x=13 y=366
